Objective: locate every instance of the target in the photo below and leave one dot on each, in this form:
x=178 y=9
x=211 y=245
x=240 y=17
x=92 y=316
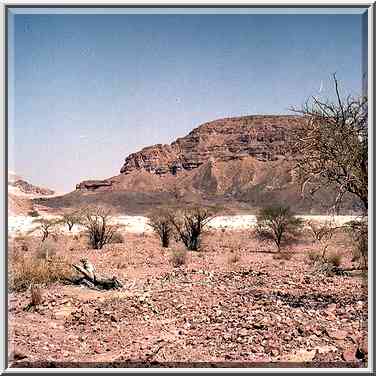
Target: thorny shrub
x=191 y=223
x=160 y=222
x=178 y=257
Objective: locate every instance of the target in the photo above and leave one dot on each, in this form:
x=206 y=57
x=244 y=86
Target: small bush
x=72 y=218
x=45 y=226
x=321 y=233
x=25 y=271
x=178 y=257
x=46 y=250
x=99 y=231
x=191 y=223
x=117 y=238
x=33 y=213
x=334 y=259
x=160 y=222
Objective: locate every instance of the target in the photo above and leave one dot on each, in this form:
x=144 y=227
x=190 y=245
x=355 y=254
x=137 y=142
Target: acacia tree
x=45 y=226
x=330 y=147
x=276 y=223
x=72 y=218
x=322 y=233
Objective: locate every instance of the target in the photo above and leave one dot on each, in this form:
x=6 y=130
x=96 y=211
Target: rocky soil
x=234 y=304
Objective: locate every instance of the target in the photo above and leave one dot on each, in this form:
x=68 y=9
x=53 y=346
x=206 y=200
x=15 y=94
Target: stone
x=337 y=334
x=301 y=356
x=243 y=332
x=349 y=355
x=325 y=349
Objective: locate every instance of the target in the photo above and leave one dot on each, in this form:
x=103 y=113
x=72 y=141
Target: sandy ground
x=20 y=224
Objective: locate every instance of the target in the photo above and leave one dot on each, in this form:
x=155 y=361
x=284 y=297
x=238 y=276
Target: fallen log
x=90 y=280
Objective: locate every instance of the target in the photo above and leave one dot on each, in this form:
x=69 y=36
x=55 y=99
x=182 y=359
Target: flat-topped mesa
x=260 y=136
x=93 y=184
x=26 y=187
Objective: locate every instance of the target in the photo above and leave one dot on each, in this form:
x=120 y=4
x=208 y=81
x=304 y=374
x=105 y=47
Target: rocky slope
x=21 y=192
x=261 y=137
x=238 y=163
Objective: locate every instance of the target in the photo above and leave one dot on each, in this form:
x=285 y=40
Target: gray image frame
x=370 y=13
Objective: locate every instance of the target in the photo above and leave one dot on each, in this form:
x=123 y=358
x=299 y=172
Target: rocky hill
x=238 y=163
x=21 y=192
x=261 y=137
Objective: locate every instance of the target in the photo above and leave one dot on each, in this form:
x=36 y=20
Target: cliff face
x=261 y=137
x=21 y=193
x=238 y=163
x=27 y=188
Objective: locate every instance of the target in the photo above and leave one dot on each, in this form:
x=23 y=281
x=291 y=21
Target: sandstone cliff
x=238 y=163
x=262 y=137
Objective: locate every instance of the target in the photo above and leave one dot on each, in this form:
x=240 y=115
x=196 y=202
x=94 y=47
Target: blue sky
x=86 y=90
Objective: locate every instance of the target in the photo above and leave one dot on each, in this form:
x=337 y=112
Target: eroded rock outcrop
x=93 y=184
x=28 y=188
x=262 y=137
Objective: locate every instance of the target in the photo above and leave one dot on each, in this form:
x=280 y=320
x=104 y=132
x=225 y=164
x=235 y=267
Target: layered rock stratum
x=224 y=140
x=238 y=163
x=21 y=192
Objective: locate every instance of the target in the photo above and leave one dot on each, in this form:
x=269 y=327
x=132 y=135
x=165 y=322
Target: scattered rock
x=337 y=334
x=349 y=355
x=243 y=332
x=301 y=356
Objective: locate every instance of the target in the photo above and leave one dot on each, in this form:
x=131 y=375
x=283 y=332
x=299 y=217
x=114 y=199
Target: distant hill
x=238 y=163
x=21 y=193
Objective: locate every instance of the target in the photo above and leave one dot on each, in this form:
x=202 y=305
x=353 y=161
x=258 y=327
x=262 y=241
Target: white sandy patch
x=21 y=224
x=16 y=191
x=239 y=222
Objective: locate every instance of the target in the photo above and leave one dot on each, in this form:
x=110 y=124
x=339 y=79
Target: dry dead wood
x=90 y=280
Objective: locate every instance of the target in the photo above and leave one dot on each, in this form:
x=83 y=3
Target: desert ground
x=235 y=303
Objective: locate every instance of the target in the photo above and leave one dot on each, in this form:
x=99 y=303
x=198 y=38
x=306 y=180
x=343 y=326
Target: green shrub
x=313 y=257
x=33 y=213
x=117 y=238
x=178 y=257
x=334 y=259
x=278 y=224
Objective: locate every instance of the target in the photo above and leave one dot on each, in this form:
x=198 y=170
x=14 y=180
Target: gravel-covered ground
x=233 y=304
